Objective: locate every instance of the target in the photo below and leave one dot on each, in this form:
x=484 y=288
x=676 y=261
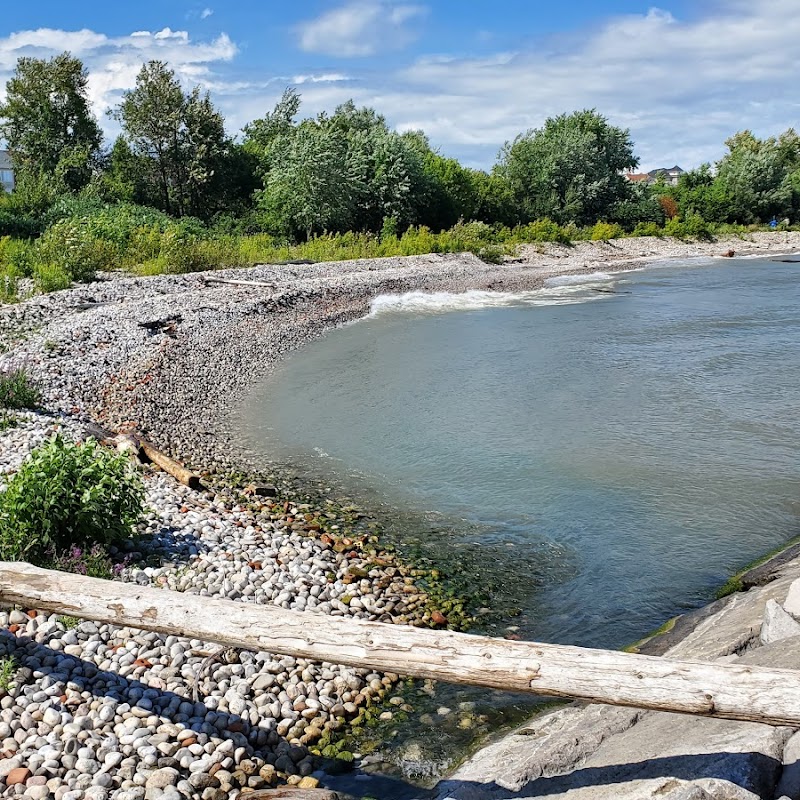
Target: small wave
x=437 y=302
x=576 y=280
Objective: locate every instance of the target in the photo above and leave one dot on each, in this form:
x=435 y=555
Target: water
x=616 y=455
x=602 y=453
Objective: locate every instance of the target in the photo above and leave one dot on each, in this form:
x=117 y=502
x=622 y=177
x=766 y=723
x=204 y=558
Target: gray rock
x=792 y=602
x=778 y=624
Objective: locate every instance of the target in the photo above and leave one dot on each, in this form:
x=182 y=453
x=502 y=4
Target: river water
x=608 y=449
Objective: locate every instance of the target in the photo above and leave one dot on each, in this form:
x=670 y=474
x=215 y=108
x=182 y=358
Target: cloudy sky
x=683 y=75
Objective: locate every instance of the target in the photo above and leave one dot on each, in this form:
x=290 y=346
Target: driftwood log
x=232 y=282
x=174 y=468
x=292 y=793
x=729 y=691
x=145 y=452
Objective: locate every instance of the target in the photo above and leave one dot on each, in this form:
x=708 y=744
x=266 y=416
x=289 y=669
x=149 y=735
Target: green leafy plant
x=17 y=390
x=603 y=231
x=8 y=670
x=68 y=495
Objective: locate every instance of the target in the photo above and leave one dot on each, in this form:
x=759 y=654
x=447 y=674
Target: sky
x=681 y=75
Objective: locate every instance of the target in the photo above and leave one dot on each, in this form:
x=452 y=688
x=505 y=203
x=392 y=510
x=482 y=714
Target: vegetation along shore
x=148 y=285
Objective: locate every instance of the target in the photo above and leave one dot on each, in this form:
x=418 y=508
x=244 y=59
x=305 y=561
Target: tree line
x=349 y=171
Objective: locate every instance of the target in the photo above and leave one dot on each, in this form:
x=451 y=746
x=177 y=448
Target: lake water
x=608 y=459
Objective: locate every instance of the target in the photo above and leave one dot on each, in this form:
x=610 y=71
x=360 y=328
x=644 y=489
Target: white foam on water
x=439 y=302
x=577 y=280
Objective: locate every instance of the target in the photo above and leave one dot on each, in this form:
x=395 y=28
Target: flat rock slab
x=603 y=753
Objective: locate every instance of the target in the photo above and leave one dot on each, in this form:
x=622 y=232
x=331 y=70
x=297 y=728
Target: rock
x=792 y=602
x=778 y=624
x=789 y=784
x=18 y=775
x=162 y=778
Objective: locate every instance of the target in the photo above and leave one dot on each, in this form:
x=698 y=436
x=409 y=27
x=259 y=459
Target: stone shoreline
x=102 y=712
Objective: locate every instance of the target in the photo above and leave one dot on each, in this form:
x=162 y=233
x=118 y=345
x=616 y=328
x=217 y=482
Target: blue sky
x=683 y=76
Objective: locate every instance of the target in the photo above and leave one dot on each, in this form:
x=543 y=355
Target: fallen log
x=728 y=691
x=174 y=468
x=232 y=282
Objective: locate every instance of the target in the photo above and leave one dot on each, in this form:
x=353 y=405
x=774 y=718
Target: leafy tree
x=46 y=120
x=308 y=189
x=755 y=176
x=570 y=170
x=181 y=139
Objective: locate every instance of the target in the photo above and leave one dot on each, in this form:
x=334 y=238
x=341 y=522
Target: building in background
x=6 y=171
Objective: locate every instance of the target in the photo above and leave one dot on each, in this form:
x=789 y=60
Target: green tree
x=47 y=122
x=755 y=176
x=181 y=139
x=570 y=170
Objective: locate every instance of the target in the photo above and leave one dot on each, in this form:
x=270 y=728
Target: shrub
x=674 y=227
x=71 y=245
x=603 y=231
x=17 y=256
x=51 y=278
x=541 y=230
x=17 y=390
x=698 y=228
x=492 y=253
x=68 y=495
x=648 y=229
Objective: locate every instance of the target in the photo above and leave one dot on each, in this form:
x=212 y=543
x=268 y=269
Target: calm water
x=609 y=459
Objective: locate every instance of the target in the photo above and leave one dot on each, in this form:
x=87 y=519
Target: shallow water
x=612 y=457
x=601 y=454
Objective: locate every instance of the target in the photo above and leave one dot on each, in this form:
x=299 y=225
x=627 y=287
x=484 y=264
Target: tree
x=570 y=170
x=47 y=122
x=308 y=188
x=181 y=138
x=755 y=176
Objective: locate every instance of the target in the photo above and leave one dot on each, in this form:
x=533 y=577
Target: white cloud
x=361 y=28
x=682 y=87
x=206 y=13
x=113 y=62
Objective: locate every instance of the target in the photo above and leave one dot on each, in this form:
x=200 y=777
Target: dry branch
x=729 y=691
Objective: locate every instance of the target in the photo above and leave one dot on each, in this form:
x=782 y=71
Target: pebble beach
x=98 y=711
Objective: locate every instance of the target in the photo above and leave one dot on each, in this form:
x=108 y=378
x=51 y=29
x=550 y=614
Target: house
x=669 y=175
x=6 y=171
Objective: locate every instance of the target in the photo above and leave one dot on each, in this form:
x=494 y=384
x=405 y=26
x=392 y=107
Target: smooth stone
x=777 y=624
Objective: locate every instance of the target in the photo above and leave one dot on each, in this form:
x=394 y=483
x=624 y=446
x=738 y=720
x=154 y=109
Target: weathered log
x=292 y=793
x=729 y=691
x=232 y=282
x=174 y=468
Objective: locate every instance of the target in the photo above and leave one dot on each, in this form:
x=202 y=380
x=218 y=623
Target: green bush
x=18 y=256
x=68 y=495
x=648 y=229
x=71 y=245
x=17 y=390
x=674 y=227
x=603 y=231
x=541 y=230
x=50 y=278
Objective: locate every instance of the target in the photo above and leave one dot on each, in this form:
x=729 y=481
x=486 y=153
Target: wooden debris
x=291 y=793
x=727 y=691
x=232 y=282
x=174 y=468
x=168 y=325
